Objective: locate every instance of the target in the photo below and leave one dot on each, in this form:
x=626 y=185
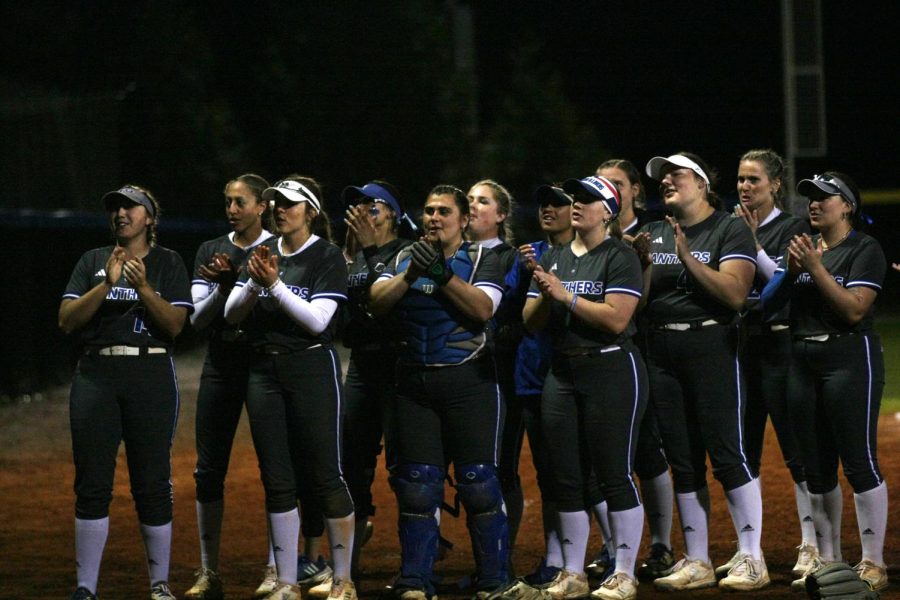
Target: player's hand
x=263 y=266
x=895 y=266
x=641 y=245
x=114 y=265
x=806 y=255
x=135 y=273
x=550 y=285
x=428 y=259
x=527 y=257
x=750 y=217
x=361 y=223
x=220 y=270
x=682 y=250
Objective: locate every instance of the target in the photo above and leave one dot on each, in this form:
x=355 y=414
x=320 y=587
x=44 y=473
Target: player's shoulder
x=655 y=228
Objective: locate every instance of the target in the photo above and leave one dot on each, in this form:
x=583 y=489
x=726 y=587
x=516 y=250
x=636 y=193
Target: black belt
x=277 y=349
x=228 y=335
x=124 y=350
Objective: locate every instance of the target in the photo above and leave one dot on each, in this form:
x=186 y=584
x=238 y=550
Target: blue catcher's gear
x=479 y=490
x=420 y=492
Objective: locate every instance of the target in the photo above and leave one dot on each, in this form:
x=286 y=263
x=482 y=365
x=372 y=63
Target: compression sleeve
x=314 y=315
x=206 y=305
x=765 y=265
x=241 y=300
x=777 y=292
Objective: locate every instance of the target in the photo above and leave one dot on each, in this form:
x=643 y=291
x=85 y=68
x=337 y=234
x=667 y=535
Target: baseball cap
x=374 y=192
x=550 y=194
x=599 y=187
x=293 y=191
x=657 y=163
x=830 y=185
x=112 y=200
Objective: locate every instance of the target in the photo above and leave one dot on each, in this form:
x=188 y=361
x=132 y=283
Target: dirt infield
x=36 y=519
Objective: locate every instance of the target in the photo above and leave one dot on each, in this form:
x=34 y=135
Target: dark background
x=183 y=96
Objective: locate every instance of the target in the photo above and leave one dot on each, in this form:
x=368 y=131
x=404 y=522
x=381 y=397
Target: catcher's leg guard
x=479 y=491
x=420 y=492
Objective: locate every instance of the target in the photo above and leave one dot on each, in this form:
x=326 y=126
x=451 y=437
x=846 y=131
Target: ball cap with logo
x=830 y=185
x=127 y=195
x=599 y=187
x=293 y=191
x=374 y=193
x=658 y=163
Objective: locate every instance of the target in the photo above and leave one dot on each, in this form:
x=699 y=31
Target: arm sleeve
x=765 y=266
x=777 y=292
x=207 y=305
x=314 y=315
x=241 y=300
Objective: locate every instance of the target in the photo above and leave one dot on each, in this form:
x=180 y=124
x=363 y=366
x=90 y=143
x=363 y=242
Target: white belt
x=816 y=338
x=778 y=327
x=686 y=326
x=129 y=350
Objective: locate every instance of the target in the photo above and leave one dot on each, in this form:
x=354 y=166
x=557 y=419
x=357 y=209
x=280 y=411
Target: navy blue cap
x=375 y=193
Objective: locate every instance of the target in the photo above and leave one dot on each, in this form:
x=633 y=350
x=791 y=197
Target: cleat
x=658 y=563
x=311 y=573
x=284 y=591
x=322 y=589
x=747 y=574
x=722 y=570
x=207 y=587
x=269 y=582
x=414 y=594
x=600 y=565
x=342 y=589
x=161 y=591
x=687 y=574
x=567 y=586
x=875 y=576
x=83 y=593
x=805 y=556
x=519 y=590
x=799 y=585
x=542 y=576
x=618 y=586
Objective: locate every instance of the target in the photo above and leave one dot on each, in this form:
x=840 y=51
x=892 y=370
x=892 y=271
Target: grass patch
x=888 y=327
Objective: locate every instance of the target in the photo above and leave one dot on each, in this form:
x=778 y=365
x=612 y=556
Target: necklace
x=826 y=246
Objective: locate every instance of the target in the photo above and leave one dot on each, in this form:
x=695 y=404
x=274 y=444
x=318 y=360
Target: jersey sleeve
x=80 y=280
x=738 y=242
x=489 y=273
x=330 y=280
x=868 y=268
x=175 y=286
x=625 y=275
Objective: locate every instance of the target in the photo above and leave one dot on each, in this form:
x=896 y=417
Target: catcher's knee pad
x=419 y=488
x=479 y=490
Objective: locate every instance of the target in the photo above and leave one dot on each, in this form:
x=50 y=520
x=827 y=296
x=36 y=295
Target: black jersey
x=359 y=327
x=612 y=267
x=239 y=257
x=318 y=271
x=774 y=237
x=642 y=217
x=121 y=319
x=674 y=296
x=857 y=261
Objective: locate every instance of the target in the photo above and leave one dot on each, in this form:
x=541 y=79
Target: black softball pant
x=697 y=391
x=124 y=398
x=834 y=395
x=369 y=391
x=590 y=413
x=449 y=414
x=294 y=402
x=766 y=358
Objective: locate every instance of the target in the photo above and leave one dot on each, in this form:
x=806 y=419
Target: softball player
x=703 y=266
x=490 y=207
x=836 y=375
x=766 y=349
x=223 y=381
x=650 y=461
x=374 y=222
x=586 y=294
x=285 y=302
x=444 y=291
x=128 y=302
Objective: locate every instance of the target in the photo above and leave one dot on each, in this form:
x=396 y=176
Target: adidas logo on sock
x=689 y=529
x=747 y=528
x=623 y=547
x=868 y=531
x=152 y=562
x=339 y=547
x=277 y=549
x=206 y=537
x=100 y=273
x=566 y=541
x=807 y=519
x=658 y=240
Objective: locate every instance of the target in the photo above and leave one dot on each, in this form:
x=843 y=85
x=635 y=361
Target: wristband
x=275 y=283
x=574 y=300
x=252 y=286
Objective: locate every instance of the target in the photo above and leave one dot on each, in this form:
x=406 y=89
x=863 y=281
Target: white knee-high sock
x=627 y=527
x=823 y=527
x=340 y=536
x=871 y=516
x=285 y=528
x=90 y=539
x=551 y=535
x=658 y=497
x=804 y=513
x=601 y=513
x=694 y=516
x=834 y=508
x=158 y=546
x=209 y=526
x=745 y=506
x=574 y=528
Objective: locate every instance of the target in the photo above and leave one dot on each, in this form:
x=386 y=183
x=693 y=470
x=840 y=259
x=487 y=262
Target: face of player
x=827 y=212
x=627 y=191
x=680 y=188
x=755 y=190
x=485 y=216
x=555 y=219
x=588 y=213
x=130 y=222
x=292 y=218
x=242 y=208
x=444 y=221
x=380 y=214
